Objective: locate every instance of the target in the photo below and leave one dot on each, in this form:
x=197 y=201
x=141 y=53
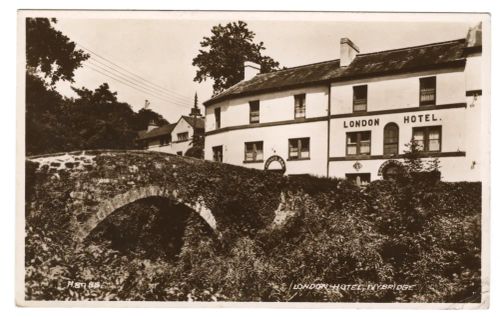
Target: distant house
x=174 y=138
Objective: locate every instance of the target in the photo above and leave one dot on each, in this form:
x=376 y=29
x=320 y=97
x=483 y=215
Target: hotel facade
x=354 y=116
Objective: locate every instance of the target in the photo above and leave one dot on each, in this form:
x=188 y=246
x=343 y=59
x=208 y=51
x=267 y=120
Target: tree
x=145 y=116
x=54 y=123
x=101 y=121
x=50 y=55
x=413 y=157
x=227 y=49
x=416 y=167
x=44 y=117
x=51 y=52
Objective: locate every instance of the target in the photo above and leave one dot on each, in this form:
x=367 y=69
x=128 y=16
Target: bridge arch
x=107 y=207
x=82 y=188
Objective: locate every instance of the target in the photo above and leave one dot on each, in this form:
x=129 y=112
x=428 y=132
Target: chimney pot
x=152 y=125
x=348 y=51
x=251 y=70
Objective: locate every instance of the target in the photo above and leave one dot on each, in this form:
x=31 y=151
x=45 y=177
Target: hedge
x=405 y=232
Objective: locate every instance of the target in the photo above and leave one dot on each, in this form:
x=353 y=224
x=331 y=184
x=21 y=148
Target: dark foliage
x=51 y=52
x=227 y=48
x=53 y=123
x=145 y=116
x=196 y=151
x=405 y=232
x=94 y=120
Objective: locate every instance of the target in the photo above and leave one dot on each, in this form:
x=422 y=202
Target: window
x=179 y=153
x=391 y=139
x=217 y=153
x=360 y=179
x=165 y=140
x=298 y=149
x=300 y=106
x=254 y=111
x=428 y=91
x=253 y=151
x=217 y=118
x=428 y=138
x=360 y=98
x=358 y=143
x=183 y=136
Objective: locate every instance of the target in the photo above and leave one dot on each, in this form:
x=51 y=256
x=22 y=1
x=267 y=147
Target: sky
x=160 y=50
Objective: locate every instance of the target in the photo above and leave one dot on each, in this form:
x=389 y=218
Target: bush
x=408 y=231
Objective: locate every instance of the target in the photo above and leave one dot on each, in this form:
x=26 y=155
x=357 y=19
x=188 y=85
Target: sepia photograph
x=290 y=159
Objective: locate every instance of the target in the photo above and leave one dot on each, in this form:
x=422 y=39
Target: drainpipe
x=328 y=132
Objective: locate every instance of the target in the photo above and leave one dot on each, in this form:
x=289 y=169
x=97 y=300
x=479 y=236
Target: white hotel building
x=351 y=117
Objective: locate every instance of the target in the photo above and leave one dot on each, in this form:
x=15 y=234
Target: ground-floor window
x=165 y=140
x=428 y=139
x=359 y=179
x=254 y=151
x=358 y=143
x=217 y=153
x=179 y=153
x=298 y=148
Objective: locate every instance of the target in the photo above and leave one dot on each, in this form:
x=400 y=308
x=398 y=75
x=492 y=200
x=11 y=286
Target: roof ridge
x=277 y=77
x=364 y=54
x=299 y=66
x=410 y=47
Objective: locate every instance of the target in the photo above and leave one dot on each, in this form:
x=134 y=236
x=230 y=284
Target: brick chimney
x=348 y=51
x=251 y=69
x=474 y=36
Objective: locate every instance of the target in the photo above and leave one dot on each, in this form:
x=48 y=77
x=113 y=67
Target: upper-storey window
x=254 y=111
x=428 y=91
x=360 y=98
x=217 y=118
x=428 y=139
x=391 y=138
x=358 y=143
x=300 y=106
x=183 y=136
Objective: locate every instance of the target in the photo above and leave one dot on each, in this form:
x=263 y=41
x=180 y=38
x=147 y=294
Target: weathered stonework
x=65 y=161
x=89 y=186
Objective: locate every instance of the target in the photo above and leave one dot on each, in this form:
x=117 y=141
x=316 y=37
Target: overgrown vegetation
x=407 y=231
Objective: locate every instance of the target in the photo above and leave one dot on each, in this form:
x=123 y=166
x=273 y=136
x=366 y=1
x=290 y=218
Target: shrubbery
x=408 y=231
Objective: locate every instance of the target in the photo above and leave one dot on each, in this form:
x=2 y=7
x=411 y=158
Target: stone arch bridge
x=90 y=185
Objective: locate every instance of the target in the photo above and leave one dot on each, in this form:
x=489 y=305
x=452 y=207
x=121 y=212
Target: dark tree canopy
x=145 y=116
x=101 y=121
x=225 y=52
x=51 y=52
x=95 y=119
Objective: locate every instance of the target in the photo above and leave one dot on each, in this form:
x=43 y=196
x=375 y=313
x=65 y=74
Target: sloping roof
x=166 y=129
x=364 y=65
x=156 y=132
x=199 y=123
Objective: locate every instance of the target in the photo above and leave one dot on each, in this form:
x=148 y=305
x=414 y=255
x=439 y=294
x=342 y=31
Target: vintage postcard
x=229 y=159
